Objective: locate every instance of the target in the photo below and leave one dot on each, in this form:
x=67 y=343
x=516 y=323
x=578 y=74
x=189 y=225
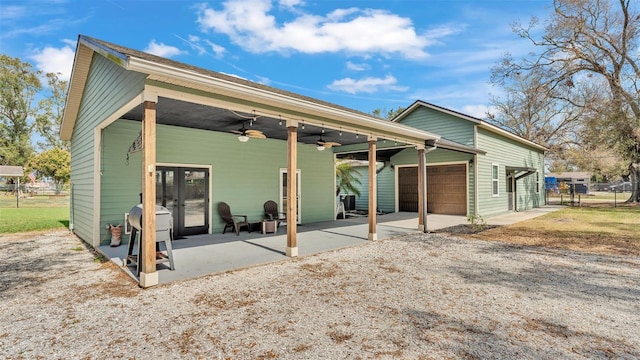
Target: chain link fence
x=595 y=193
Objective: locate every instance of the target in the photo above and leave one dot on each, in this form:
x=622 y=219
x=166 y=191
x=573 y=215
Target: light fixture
x=280 y=122
x=320 y=147
x=243 y=138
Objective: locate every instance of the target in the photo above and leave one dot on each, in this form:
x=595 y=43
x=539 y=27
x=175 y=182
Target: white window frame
x=495 y=182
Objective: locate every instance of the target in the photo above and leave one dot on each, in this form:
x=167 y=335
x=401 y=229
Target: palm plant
x=348 y=179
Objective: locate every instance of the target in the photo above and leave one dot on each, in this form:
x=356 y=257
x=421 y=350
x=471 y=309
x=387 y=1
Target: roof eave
x=80 y=70
x=474 y=120
x=154 y=68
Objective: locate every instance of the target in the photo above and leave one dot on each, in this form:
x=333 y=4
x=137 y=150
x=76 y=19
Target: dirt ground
x=420 y=296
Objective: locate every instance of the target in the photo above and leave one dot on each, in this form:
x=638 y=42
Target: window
x=537 y=182
x=494 y=180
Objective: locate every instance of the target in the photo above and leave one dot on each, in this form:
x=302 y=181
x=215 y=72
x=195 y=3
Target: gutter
x=287 y=102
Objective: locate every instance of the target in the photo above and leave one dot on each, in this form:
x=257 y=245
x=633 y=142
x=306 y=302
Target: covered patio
x=200 y=255
x=192 y=120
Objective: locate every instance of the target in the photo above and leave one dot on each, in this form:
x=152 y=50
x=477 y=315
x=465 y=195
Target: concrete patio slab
x=512 y=218
x=201 y=255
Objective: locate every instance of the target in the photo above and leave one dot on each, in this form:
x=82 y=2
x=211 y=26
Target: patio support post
x=147 y=258
x=373 y=235
x=292 y=189
x=422 y=190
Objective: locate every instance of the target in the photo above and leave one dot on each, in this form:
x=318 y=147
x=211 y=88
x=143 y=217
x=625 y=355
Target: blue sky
x=361 y=54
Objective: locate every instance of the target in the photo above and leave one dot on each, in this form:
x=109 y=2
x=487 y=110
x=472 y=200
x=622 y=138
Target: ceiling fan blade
x=236 y=131
x=331 y=143
x=258 y=135
x=251 y=131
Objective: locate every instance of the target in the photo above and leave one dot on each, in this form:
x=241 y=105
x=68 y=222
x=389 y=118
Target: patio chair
x=232 y=221
x=271 y=212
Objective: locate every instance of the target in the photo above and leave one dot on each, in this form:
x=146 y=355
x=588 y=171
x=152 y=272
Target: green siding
x=387 y=189
x=447 y=126
x=362 y=201
x=507 y=152
x=108 y=88
x=244 y=175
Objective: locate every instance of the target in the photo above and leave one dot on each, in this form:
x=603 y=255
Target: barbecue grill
x=164 y=233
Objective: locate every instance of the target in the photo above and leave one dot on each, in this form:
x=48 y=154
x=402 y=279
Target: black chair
x=232 y=221
x=271 y=212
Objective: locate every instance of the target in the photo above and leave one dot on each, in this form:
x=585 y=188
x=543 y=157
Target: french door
x=185 y=193
x=283 y=192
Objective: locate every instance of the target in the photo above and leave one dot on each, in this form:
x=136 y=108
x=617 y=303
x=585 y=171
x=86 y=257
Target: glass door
x=283 y=192
x=185 y=193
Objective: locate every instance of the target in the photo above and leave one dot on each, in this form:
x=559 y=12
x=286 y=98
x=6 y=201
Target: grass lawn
x=597 y=229
x=36 y=213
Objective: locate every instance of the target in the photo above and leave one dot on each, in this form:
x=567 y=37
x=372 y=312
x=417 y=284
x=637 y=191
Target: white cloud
x=160 y=49
x=218 y=50
x=250 y=24
x=55 y=60
x=357 y=67
x=263 y=80
x=235 y=76
x=366 y=85
x=290 y=3
x=13 y=12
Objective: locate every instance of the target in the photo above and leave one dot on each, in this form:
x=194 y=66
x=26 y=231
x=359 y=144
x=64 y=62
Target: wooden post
x=422 y=190
x=292 y=189
x=373 y=235
x=148 y=274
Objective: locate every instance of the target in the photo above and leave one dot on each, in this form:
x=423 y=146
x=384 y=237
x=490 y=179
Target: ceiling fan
x=322 y=144
x=245 y=134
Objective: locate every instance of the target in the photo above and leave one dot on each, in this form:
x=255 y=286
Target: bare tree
x=592 y=42
x=530 y=109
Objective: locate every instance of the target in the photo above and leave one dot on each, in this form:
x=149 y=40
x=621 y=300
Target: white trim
x=97 y=181
x=378 y=148
x=97 y=164
x=475 y=185
x=403 y=133
x=298 y=192
x=335 y=184
x=497 y=179
x=198 y=166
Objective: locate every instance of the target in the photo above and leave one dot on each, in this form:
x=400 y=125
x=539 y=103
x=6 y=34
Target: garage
x=446 y=189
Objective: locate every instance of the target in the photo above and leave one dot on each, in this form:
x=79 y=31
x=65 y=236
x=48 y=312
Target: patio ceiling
x=197 y=116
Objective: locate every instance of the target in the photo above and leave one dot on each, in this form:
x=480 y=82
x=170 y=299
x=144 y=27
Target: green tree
x=347 y=179
x=592 y=43
x=49 y=120
x=387 y=114
x=19 y=85
x=54 y=163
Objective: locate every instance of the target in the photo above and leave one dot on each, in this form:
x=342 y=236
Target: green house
x=475 y=168
x=153 y=131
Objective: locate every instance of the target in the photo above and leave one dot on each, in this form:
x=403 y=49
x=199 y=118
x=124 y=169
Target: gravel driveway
x=415 y=297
